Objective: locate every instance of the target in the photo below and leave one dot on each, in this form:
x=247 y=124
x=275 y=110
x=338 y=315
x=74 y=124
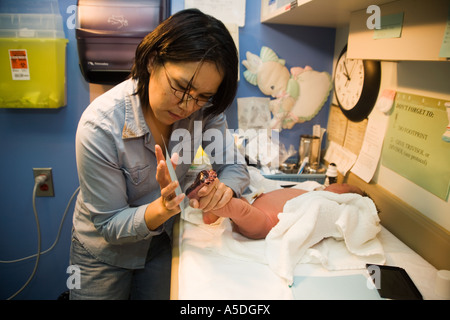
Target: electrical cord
x=39 y=180
x=57 y=236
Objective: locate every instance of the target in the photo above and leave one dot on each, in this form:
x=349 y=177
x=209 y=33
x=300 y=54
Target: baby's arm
x=250 y=221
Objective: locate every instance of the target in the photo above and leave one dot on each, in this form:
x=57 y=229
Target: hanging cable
x=39 y=180
x=57 y=236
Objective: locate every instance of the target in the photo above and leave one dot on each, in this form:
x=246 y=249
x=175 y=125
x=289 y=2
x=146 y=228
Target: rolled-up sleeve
x=234 y=176
x=227 y=161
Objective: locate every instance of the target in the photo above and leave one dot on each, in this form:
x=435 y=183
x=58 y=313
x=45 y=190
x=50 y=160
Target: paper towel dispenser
x=108 y=32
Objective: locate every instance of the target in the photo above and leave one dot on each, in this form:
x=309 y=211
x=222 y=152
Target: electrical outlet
x=46 y=189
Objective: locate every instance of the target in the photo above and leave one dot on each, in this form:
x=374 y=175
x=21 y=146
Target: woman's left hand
x=213 y=196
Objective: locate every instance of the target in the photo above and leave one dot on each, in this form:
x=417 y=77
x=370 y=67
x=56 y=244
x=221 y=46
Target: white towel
x=308 y=219
x=314 y=223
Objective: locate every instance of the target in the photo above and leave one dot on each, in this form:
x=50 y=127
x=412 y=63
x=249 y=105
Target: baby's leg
x=251 y=222
x=212 y=216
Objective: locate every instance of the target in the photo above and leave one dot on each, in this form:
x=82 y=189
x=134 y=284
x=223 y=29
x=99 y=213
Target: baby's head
x=348 y=188
x=344 y=188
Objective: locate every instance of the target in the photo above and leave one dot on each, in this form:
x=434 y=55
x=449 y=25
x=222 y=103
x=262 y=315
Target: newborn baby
x=256 y=220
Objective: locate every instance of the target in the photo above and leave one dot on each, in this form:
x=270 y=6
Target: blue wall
x=35 y=139
x=299 y=46
x=45 y=138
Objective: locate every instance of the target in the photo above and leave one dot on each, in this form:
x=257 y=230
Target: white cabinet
x=320 y=13
x=422 y=32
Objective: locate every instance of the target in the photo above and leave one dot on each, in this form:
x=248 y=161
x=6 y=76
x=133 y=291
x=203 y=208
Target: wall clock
x=356 y=86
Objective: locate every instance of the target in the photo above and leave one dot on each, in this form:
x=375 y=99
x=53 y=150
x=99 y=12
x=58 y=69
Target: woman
x=184 y=75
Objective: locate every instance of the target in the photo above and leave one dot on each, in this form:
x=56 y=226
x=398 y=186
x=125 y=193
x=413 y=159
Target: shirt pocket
x=138 y=180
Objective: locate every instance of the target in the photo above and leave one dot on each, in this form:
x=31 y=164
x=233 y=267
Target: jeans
x=100 y=281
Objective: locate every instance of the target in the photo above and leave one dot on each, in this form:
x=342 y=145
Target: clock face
x=349 y=81
x=356 y=85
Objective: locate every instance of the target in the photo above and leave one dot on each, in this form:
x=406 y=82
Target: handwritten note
x=337 y=125
x=355 y=135
x=345 y=139
x=370 y=153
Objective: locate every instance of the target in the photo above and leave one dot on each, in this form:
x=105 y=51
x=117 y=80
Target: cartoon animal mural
x=299 y=94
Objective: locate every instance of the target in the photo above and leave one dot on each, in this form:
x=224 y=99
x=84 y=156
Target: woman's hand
x=213 y=196
x=168 y=205
x=168 y=199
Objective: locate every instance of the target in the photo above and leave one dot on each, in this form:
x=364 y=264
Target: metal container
x=310 y=147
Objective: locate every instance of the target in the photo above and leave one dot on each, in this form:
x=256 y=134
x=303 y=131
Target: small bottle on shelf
x=331 y=175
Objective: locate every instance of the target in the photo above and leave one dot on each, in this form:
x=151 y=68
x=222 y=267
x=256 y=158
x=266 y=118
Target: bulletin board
x=413 y=146
x=345 y=139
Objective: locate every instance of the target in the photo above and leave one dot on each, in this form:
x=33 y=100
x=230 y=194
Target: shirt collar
x=135 y=125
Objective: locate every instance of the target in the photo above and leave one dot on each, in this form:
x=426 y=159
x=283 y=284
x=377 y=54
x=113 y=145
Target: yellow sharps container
x=32 y=60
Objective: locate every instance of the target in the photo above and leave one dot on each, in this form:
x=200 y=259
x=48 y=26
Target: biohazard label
x=19 y=64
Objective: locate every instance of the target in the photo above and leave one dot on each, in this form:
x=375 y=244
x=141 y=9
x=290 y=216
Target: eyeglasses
x=185 y=96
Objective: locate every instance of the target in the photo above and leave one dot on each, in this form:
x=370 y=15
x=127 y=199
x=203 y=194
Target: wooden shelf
x=319 y=13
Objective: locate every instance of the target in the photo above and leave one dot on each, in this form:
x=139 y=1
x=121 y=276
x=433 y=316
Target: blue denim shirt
x=116 y=165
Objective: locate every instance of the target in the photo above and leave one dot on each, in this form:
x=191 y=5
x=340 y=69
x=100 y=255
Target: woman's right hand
x=169 y=199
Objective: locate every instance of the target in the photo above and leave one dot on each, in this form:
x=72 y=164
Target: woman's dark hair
x=190 y=36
